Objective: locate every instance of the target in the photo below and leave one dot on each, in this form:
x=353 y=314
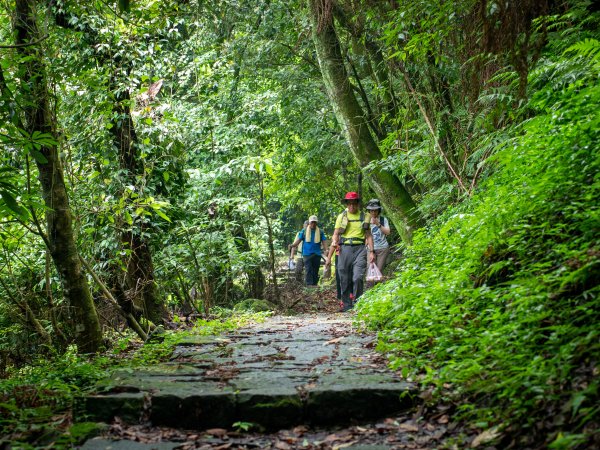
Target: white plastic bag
x=291 y=264
x=373 y=273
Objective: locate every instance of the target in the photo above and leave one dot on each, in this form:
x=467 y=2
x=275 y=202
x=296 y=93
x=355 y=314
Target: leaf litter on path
x=400 y=432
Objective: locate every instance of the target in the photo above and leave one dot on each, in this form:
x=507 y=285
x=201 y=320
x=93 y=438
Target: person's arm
x=385 y=230
x=324 y=244
x=329 y=254
x=333 y=246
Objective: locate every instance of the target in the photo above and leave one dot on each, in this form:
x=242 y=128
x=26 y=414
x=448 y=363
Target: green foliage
x=34 y=398
x=244 y=426
x=499 y=297
x=253 y=304
x=588 y=48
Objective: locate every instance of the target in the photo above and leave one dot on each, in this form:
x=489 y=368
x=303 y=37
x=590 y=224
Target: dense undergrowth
x=499 y=299
x=36 y=400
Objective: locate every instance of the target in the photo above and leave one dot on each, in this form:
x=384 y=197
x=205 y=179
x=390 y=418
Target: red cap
x=351 y=196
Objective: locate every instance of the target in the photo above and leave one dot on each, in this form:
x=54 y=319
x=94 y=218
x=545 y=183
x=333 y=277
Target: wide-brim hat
x=373 y=204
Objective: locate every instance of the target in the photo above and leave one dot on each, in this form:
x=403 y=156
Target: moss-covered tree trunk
x=140 y=282
x=400 y=206
x=60 y=237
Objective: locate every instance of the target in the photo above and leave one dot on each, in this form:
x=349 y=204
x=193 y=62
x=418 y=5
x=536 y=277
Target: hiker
x=312 y=239
x=352 y=232
x=380 y=228
x=299 y=264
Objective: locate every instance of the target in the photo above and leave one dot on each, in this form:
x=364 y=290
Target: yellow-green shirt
x=354 y=228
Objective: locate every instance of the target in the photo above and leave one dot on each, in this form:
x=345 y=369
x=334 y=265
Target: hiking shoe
x=345 y=308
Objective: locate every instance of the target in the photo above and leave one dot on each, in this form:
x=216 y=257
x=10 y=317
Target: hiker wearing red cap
x=352 y=233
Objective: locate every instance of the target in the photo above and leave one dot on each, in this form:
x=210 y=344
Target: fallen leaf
x=381 y=427
x=485 y=437
x=408 y=426
x=216 y=431
x=423 y=439
x=426 y=395
x=300 y=429
x=443 y=419
x=334 y=341
x=223 y=447
x=282 y=445
x=331 y=438
x=344 y=445
x=441 y=431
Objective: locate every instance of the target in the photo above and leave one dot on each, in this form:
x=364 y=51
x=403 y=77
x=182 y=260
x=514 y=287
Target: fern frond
x=588 y=48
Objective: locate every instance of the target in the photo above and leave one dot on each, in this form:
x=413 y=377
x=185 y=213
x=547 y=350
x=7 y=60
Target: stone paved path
x=313 y=369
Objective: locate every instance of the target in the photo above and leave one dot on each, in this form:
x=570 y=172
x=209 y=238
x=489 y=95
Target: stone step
x=285 y=372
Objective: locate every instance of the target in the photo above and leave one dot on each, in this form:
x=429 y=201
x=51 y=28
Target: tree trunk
x=256 y=279
x=401 y=208
x=265 y=213
x=140 y=283
x=60 y=238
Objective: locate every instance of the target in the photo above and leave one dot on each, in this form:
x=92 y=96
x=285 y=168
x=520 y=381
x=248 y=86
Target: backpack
x=345 y=219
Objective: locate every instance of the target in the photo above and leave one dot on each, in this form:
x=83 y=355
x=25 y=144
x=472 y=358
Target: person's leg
x=381 y=257
x=307 y=270
x=345 y=273
x=359 y=267
x=317 y=268
x=316 y=264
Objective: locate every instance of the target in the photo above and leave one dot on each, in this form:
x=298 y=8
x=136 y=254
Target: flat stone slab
x=313 y=369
